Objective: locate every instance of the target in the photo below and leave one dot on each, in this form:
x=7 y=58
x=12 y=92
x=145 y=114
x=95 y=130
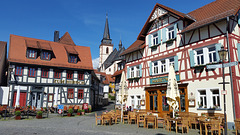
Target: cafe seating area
x=183 y=121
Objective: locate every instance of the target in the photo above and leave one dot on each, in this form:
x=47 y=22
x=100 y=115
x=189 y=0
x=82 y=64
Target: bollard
x=47 y=111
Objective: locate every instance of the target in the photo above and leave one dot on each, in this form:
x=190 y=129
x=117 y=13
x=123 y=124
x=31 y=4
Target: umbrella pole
x=173 y=114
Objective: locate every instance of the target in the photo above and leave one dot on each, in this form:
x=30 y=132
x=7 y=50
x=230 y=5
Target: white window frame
x=205 y=54
x=155 y=38
x=209 y=98
x=137 y=71
x=170 y=33
x=159 y=65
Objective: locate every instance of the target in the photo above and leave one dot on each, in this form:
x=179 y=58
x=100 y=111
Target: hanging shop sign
x=58 y=81
x=162 y=79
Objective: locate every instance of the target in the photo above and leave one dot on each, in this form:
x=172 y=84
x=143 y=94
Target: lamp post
x=222 y=55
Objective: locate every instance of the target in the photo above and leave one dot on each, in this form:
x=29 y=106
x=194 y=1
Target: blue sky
x=83 y=19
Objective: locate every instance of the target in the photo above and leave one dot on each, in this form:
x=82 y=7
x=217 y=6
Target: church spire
x=106 y=35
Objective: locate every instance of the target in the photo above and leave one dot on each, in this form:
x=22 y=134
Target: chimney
x=56 y=36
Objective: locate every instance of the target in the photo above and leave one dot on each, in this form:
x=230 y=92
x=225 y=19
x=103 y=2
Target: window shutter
x=164 y=35
x=238 y=51
x=175 y=30
x=192 y=62
x=149 y=40
x=159 y=37
x=217 y=47
x=176 y=63
x=140 y=68
x=127 y=72
x=150 y=68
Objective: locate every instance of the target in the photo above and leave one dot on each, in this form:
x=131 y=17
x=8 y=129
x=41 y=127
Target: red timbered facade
x=190 y=42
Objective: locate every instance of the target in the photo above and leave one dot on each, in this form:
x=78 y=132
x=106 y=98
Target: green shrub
x=83 y=110
x=112 y=97
x=79 y=110
x=39 y=113
x=70 y=110
x=90 y=109
x=18 y=113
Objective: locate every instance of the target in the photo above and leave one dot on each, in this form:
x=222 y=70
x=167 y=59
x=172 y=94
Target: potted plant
x=70 y=111
x=83 y=112
x=18 y=115
x=39 y=115
x=79 y=112
x=89 y=109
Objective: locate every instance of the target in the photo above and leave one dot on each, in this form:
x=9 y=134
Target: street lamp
x=222 y=55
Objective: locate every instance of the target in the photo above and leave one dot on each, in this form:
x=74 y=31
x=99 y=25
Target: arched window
x=107 y=50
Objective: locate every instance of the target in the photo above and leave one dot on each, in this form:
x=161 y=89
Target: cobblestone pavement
x=83 y=125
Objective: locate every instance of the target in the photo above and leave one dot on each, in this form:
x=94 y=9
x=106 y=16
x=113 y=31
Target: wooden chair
x=117 y=117
x=237 y=125
x=167 y=124
x=125 y=117
x=132 y=117
x=106 y=118
x=98 y=118
x=183 y=124
x=150 y=119
x=215 y=126
x=140 y=120
x=160 y=121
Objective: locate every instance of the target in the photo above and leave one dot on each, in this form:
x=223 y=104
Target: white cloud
x=95 y=63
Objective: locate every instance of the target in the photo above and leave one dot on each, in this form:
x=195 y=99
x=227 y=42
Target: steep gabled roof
x=18 y=48
x=66 y=39
x=213 y=12
x=148 y=24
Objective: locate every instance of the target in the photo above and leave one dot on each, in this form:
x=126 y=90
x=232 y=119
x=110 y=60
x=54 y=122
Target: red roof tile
x=45 y=46
x=119 y=72
x=66 y=39
x=17 y=53
x=213 y=12
x=137 y=45
x=70 y=49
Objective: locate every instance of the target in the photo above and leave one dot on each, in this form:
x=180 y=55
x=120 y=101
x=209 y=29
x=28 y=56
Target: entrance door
x=153 y=100
x=22 y=100
x=36 y=99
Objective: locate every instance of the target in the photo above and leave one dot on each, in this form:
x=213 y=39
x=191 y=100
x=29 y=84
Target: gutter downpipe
x=230 y=69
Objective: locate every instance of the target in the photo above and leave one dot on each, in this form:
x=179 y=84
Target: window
x=212 y=54
x=132 y=102
x=45 y=55
x=137 y=71
x=18 y=70
x=44 y=73
x=32 y=72
x=203 y=99
x=50 y=97
x=107 y=50
x=31 y=53
x=155 y=38
x=162 y=66
x=70 y=94
x=69 y=74
x=209 y=98
x=171 y=33
x=215 y=98
x=200 y=59
x=80 y=76
x=139 y=100
x=132 y=72
x=72 y=59
x=80 y=93
x=155 y=67
x=205 y=55
x=57 y=74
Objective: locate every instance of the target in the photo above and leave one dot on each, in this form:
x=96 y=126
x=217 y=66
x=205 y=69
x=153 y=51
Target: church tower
x=106 y=46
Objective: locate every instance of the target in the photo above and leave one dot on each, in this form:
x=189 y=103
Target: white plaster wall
x=135 y=92
x=4 y=92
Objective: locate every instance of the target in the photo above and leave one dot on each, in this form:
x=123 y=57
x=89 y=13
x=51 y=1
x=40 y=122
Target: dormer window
x=72 y=58
x=31 y=53
x=45 y=55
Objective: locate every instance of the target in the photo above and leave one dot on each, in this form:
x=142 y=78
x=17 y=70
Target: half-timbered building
x=190 y=42
x=47 y=72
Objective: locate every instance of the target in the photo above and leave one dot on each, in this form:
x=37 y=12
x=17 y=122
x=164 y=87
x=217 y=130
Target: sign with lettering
x=162 y=79
x=58 y=81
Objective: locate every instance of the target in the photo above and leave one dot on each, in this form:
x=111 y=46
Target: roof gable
x=66 y=39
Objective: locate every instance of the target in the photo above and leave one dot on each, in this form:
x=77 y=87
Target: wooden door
x=22 y=100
